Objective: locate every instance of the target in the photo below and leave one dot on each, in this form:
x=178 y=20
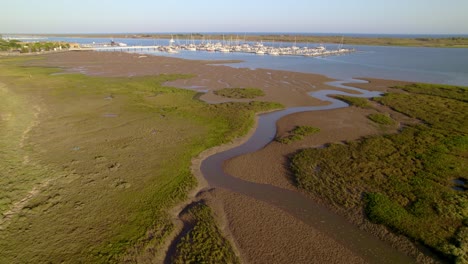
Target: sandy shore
x=251 y=222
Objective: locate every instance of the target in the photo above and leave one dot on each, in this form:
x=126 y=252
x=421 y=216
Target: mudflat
x=287 y=88
x=261 y=233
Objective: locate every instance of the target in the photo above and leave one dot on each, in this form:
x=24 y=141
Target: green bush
x=305 y=130
x=240 y=93
x=298 y=133
x=354 y=101
x=381 y=119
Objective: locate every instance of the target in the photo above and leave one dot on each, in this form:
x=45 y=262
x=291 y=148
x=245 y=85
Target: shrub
x=298 y=133
x=354 y=101
x=240 y=93
x=381 y=119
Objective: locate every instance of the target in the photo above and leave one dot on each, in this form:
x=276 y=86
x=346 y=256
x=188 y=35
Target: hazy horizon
x=430 y=17
x=319 y=34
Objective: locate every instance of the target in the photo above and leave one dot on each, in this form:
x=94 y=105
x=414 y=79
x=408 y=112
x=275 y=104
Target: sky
x=305 y=16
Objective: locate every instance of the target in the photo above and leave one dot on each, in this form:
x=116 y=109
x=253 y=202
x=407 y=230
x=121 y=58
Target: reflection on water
x=460 y=184
x=110 y=115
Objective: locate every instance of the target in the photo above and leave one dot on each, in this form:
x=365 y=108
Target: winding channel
x=298 y=205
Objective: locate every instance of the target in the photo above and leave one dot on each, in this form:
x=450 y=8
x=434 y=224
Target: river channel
x=298 y=205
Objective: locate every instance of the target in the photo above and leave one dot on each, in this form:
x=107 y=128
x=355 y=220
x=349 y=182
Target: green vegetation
x=240 y=93
x=203 y=242
x=381 y=119
x=354 y=101
x=298 y=133
x=445 y=91
x=102 y=159
x=24 y=47
x=9 y=45
x=406 y=178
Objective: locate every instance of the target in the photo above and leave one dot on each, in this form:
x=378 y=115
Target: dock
x=257 y=48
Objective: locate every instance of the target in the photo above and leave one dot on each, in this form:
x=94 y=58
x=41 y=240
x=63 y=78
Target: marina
x=258 y=48
x=449 y=65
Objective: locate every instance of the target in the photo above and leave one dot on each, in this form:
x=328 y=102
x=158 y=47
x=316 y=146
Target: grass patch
x=240 y=93
x=203 y=243
x=444 y=91
x=298 y=133
x=354 y=101
x=406 y=178
x=100 y=158
x=381 y=119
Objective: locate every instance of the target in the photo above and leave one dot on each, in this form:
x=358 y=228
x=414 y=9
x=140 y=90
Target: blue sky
x=322 y=16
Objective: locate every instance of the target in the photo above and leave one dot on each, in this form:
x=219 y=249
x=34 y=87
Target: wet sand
x=266 y=234
x=263 y=234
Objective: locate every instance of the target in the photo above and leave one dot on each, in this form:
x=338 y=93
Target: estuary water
x=430 y=65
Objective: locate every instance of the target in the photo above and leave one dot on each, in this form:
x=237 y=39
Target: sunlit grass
x=298 y=133
x=106 y=159
x=381 y=119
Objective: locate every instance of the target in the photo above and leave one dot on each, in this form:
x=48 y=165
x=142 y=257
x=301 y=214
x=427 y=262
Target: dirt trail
x=19 y=205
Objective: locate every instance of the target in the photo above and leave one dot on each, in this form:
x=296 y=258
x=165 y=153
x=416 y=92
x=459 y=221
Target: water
x=460 y=184
x=296 y=204
x=430 y=65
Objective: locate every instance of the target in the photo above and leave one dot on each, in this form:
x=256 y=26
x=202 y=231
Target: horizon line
x=232 y=32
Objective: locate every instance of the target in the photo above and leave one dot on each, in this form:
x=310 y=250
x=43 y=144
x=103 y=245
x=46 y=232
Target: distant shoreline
x=410 y=40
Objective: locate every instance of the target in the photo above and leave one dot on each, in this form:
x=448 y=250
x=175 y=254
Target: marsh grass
x=444 y=91
x=405 y=178
x=203 y=242
x=354 y=101
x=381 y=119
x=298 y=133
x=110 y=181
x=240 y=93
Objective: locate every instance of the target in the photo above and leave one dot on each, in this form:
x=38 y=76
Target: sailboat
x=192 y=46
x=171 y=41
